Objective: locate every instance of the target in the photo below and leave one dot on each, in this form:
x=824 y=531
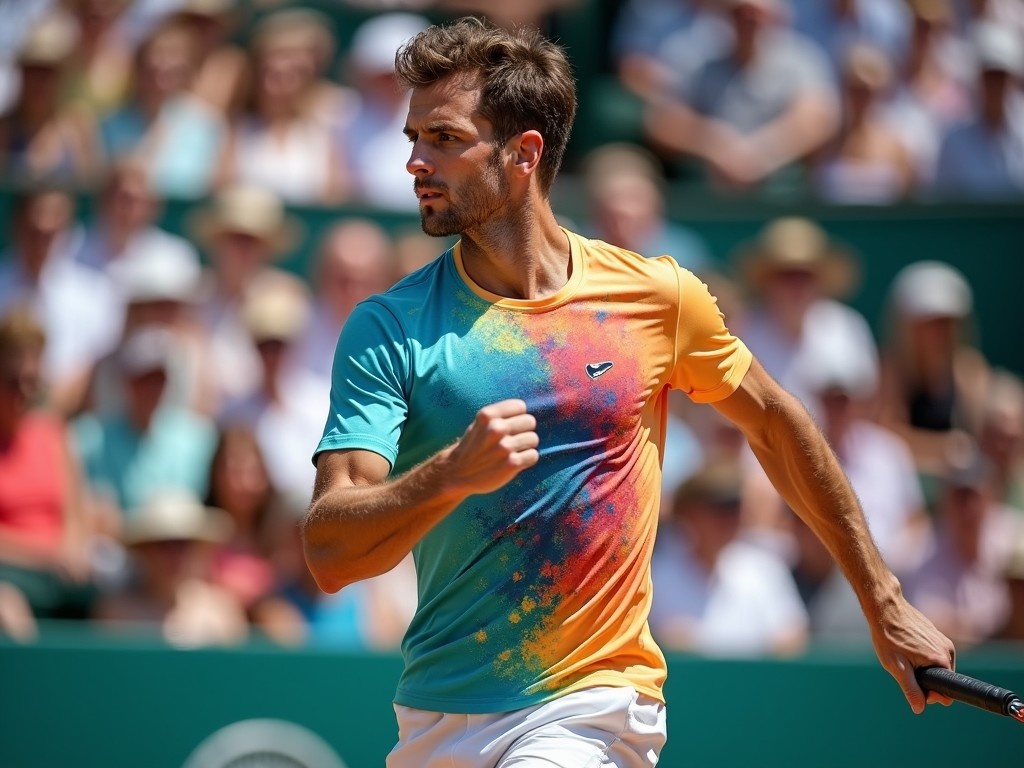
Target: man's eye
x=445 y=137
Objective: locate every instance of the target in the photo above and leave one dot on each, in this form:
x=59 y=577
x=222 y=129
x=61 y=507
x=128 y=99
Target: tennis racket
x=971 y=691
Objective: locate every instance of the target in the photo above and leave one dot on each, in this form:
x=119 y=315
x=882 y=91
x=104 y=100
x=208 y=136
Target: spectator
x=1001 y=438
x=765 y=104
x=414 y=248
x=19 y=19
x=878 y=462
x=657 y=44
x=44 y=525
x=371 y=135
x=171 y=540
x=934 y=378
x=221 y=64
x=713 y=592
x=931 y=92
x=160 y=286
x=838 y=25
x=867 y=162
x=148 y=446
x=241 y=230
x=959 y=586
x=833 y=612
x=355 y=259
x=123 y=225
x=100 y=68
x=76 y=306
x=277 y=142
x=173 y=132
x=42 y=138
x=796 y=276
x=249 y=563
x=983 y=158
x=531 y=13
x=625 y=192
x=1013 y=574
x=1007 y=12
x=285 y=411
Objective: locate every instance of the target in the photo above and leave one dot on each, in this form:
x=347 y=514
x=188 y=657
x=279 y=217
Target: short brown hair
x=527 y=80
x=20 y=334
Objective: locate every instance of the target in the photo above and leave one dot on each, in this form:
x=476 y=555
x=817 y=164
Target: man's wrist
x=880 y=595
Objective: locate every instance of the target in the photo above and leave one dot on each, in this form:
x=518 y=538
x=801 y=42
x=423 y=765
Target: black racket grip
x=969 y=690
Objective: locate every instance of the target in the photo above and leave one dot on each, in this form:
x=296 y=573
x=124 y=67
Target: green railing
x=80 y=699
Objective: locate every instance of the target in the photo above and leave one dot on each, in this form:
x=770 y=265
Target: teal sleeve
x=369 y=384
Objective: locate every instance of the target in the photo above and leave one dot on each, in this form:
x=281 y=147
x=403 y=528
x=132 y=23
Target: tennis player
x=501 y=412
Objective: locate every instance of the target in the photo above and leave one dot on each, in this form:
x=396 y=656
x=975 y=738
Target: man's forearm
x=360 y=531
x=802 y=466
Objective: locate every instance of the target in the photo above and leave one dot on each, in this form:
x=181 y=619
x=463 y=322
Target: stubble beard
x=482 y=197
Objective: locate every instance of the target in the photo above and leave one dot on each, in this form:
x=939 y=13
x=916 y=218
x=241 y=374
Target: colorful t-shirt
x=543 y=586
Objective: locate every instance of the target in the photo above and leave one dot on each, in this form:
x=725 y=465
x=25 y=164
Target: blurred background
x=197 y=192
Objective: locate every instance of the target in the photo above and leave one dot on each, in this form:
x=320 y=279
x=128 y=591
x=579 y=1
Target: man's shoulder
x=600 y=254
x=418 y=294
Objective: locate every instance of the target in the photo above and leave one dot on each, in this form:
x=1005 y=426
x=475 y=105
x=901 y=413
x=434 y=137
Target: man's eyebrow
x=437 y=126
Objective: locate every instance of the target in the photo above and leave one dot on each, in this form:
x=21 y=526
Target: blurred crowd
x=855 y=101
x=161 y=392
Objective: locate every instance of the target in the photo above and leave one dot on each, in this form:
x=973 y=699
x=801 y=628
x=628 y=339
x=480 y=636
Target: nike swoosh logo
x=594 y=370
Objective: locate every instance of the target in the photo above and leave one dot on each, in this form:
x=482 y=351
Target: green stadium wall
x=85 y=699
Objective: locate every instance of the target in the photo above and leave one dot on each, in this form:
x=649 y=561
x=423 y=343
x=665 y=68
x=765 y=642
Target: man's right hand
x=499 y=444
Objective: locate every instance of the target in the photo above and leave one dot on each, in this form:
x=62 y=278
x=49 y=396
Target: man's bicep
x=752 y=404
x=348 y=469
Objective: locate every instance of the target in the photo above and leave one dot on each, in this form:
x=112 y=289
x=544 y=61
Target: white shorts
x=592 y=728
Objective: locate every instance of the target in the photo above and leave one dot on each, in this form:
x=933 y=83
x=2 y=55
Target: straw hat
x=796 y=243
x=867 y=65
x=50 y=41
x=291 y=28
x=208 y=9
x=251 y=210
x=719 y=484
x=175 y=515
x=932 y=11
x=277 y=307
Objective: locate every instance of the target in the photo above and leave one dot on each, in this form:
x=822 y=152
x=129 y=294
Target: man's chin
x=436 y=226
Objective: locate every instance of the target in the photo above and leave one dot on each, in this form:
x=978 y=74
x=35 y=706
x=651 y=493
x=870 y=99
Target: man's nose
x=419 y=163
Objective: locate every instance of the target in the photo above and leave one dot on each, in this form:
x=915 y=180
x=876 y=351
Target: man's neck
x=528 y=258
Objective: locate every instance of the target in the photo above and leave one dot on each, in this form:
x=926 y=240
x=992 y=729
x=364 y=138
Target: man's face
x=459 y=171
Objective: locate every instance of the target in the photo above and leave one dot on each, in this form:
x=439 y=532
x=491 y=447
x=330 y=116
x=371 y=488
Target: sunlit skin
x=240 y=482
x=451 y=142
x=488 y=193
x=19 y=386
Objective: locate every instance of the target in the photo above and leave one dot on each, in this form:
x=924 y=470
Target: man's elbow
x=325 y=572
x=327 y=565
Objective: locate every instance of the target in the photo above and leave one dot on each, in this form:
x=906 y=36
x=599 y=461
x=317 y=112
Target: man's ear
x=527 y=148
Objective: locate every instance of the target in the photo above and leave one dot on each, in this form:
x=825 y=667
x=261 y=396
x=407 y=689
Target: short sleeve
x=368 y=401
x=710 y=362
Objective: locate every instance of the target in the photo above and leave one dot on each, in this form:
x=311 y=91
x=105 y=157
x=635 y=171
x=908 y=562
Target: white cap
x=927 y=289
x=839 y=361
x=159 y=268
x=150 y=348
x=175 y=514
x=998 y=47
x=377 y=40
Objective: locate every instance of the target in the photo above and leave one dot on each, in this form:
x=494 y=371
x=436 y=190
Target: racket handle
x=966 y=689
